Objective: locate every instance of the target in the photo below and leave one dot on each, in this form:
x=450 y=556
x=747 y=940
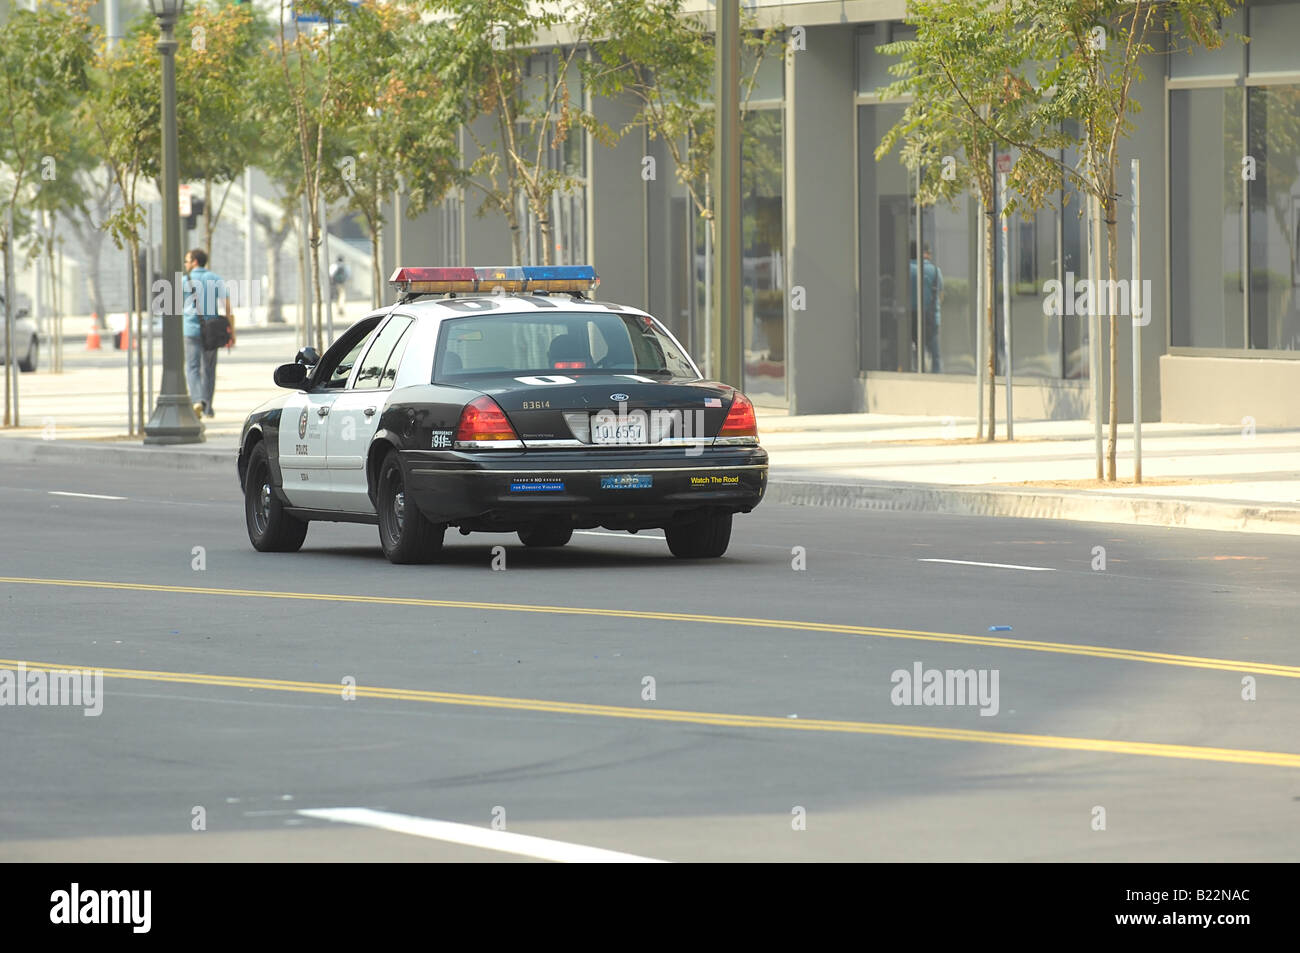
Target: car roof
x=441 y=305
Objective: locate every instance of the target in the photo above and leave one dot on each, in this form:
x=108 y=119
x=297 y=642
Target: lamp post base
x=172 y=422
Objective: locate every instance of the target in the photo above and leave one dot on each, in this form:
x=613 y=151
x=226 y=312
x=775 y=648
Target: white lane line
x=592 y=532
x=472 y=836
x=87 y=496
x=967 y=562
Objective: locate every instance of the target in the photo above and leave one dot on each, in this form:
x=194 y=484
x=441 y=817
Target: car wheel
x=703 y=539
x=405 y=535
x=270 y=528
x=33 y=352
x=546 y=534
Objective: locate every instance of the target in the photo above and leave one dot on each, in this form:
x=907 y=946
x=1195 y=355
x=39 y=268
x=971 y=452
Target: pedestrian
x=931 y=296
x=339 y=275
x=205 y=295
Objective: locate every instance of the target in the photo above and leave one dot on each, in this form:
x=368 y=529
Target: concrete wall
x=617 y=210
x=940 y=395
x=821 y=228
x=1224 y=390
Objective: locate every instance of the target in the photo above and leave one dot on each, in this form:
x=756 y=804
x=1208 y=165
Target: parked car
x=27 y=344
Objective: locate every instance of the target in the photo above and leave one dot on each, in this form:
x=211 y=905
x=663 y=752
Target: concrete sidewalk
x=1200 y=476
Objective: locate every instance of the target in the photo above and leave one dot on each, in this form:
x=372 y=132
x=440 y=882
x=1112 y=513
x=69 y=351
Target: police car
x=500 y=400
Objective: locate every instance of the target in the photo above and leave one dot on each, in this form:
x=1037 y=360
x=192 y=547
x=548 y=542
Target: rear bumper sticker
x=627 y=481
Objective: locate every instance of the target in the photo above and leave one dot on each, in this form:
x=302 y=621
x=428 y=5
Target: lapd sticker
x=441 y=439
x=536 y=484
x=302 y=424
x=627 y=481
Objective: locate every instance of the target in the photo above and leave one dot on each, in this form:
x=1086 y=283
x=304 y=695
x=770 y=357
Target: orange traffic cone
x=92 y=339
x=124 y=337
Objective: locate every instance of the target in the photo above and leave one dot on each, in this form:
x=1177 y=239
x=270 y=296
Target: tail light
x=740 y=426
x=484 y=422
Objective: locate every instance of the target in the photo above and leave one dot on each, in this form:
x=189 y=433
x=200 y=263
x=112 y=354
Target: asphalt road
x=515 y=701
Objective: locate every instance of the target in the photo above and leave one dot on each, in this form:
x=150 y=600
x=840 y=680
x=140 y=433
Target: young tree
x=966 y=97
x=1094 y=51
x=397 y=115
x=46 y=56
x=663 y=57
x=516 y=61
x=215 y=118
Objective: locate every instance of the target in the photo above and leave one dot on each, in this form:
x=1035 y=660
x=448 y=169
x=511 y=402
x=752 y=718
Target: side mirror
x=308 y=357
x=290 y=375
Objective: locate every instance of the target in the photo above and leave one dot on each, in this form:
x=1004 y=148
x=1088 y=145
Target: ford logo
x=618 y=397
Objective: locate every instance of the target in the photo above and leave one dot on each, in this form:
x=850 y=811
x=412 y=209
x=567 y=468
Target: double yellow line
x=983 y=641
x=717 y=719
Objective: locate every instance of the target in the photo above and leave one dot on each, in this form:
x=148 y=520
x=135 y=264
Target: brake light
x=740 y=421
x=569 y=364
x=483 y=419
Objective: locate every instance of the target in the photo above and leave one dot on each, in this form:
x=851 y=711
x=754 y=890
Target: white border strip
x=967 y=562
x=471 y=836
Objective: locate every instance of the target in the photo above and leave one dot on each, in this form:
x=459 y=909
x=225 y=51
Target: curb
x=962 y=501
x=89 y=454
x=896 y=497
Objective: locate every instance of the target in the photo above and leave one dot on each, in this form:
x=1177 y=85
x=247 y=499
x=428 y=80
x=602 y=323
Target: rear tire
x=546 y=534
x=28 y=364
x=404 y=534
x=270 y=528
x=703 y=539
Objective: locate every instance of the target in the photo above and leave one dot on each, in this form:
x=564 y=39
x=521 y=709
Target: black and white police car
x=500 y=400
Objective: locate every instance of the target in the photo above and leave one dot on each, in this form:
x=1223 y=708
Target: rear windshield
x=567 y=342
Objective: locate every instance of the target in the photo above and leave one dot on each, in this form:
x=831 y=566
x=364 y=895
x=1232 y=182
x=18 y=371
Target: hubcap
x=399 y=509
x=262 y=511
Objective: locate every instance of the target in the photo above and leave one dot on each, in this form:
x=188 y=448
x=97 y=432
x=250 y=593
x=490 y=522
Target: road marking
x=967 y=562
x=1281 y=759
x=523 y=844
x=986 y=641
x=85 y=496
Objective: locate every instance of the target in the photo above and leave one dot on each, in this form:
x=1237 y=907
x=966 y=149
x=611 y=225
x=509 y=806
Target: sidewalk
x=1198 y=476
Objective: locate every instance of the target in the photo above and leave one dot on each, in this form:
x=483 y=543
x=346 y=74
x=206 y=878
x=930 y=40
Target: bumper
x=615 y=488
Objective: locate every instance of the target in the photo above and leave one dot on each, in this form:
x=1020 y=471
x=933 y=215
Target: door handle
x=323 y=412
x=369 y=411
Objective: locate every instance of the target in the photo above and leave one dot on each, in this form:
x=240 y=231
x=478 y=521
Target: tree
x=46 y=56
x=501 y=67
x=1094 y=50
x=396 y=114
x=966 y=98
x=663 y=57
x=214 y=117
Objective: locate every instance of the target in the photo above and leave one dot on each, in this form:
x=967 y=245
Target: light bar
x=563 y=279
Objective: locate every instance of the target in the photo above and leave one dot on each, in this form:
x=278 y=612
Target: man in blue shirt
x=205 y=293
x=932 y=294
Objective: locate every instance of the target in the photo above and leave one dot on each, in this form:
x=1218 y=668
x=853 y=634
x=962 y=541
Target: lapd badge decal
x=302 y=424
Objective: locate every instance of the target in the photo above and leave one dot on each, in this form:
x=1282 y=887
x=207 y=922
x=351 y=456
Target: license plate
x=609 y=428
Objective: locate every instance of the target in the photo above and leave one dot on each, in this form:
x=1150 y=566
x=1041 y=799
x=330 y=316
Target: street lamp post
x=173 y=419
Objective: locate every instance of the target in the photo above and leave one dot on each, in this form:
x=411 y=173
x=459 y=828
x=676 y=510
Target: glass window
x=339 y=376
x=558 y=342
x=1274 y=29
x=873 y=67
x=1205 y=150
x=762 y=256
x=1273 y=114
x=1228 y=60
x=371 y=375
x=886 y=225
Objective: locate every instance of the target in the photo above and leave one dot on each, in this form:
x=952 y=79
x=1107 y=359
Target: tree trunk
x=207 y=217
x=990 y=323
x=274 y=300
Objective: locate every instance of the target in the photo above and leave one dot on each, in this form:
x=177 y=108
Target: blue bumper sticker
x=536 y=485
x=627 y=481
